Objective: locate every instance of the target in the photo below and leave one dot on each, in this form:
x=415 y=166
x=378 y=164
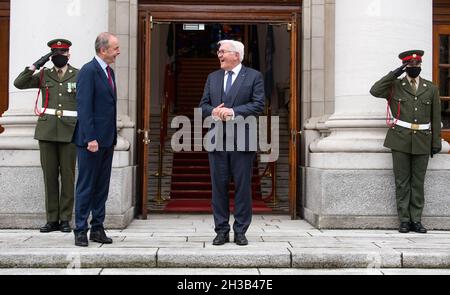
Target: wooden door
x=293 y=119
x=238 y=15
x=144 y=86
x=441 y=73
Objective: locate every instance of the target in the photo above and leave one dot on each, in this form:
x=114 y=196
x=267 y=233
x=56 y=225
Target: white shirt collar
x=416 y=79
x=235 y=70
x=102 y=63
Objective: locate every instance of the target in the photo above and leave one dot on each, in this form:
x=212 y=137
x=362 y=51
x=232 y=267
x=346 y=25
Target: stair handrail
x=163 y=128
x=270 y=169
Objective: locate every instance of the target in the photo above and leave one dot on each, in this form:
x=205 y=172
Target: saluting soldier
x=54 y=130
x=413 y=135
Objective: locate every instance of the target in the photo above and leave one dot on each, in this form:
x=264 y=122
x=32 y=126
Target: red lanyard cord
x=36 y=108
x=388 y=110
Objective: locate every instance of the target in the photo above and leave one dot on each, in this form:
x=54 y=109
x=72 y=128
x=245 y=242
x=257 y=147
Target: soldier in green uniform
x=54 y=130
x=413 y=134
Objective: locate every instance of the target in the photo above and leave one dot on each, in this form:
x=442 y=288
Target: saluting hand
x=400 y=70
x=92 y=146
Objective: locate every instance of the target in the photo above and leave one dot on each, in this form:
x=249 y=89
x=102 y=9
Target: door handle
x=294 y=135
x=146 y=139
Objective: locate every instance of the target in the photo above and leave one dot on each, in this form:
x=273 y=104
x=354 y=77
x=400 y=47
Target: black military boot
x=417 y=227
x=65 y=227
x=49 y=227
x=404 y=227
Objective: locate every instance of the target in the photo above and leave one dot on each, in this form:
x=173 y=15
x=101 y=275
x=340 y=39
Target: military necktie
x=413 y=85
x=60 y=74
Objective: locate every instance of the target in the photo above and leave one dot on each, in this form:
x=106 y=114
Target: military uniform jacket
x=421 y=108
x=62 y=96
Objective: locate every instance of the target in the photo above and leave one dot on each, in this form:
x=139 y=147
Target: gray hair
x=235 y=46
x=102 y=41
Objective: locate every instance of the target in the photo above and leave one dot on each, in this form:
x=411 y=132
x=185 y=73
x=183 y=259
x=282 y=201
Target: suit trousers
x=94 y=174
x=58 y=158
x=409 y=172
x=239 y=166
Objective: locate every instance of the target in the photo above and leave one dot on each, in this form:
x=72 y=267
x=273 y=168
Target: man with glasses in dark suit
x=232 y=93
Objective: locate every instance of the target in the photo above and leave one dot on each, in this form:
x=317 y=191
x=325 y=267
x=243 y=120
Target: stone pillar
x=22 y=194
x=349 y=178
x=77 y=20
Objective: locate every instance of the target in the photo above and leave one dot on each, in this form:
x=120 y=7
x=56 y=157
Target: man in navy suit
x=95 y=137
x=232 y=93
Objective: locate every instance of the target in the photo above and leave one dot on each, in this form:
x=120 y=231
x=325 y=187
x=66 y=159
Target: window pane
x=444 y=78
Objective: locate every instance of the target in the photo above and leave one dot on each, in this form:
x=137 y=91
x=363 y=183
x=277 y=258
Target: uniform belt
x=61 y=113
x=412 y=125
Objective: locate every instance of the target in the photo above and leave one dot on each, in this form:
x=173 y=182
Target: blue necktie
x=229 y=79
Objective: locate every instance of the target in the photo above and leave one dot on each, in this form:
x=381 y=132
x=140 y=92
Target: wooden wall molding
x=441 y=12
x=223 y=2
x=221 y=13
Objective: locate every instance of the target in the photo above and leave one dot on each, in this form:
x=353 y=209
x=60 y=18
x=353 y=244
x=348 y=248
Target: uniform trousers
x=58 y=158
x=409 y=172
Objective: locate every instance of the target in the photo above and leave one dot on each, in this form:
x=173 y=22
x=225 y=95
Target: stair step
x=198 y=194
x=190 y=155
x=191 y=169
x=197 y=162
x=184 y=177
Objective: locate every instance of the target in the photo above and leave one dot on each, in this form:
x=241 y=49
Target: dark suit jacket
x=246 y=96
x=96 y=106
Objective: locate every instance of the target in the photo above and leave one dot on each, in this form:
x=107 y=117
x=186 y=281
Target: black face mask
x=60 y=60
x=413 y=72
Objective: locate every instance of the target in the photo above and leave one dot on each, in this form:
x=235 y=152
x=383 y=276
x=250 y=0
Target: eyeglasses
x=224 y=51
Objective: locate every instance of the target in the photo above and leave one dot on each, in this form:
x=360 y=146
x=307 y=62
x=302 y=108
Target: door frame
x=4 y=52
x=439 y=29
x=150 y=14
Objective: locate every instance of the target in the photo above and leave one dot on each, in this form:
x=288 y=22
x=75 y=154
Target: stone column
x=349 y=178
x=32 y=25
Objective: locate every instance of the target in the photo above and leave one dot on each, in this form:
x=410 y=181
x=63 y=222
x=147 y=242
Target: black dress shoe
x=240 y=239
x=221 y=239
x=417 y=227
x=81 y=239
x=404 y=227
x=65 y=227
x=99 y=236
x=49 y=227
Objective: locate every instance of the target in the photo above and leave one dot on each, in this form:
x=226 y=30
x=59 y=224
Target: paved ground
x=181 y=244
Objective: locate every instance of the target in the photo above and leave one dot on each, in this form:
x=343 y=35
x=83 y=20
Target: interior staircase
x=190 y=82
